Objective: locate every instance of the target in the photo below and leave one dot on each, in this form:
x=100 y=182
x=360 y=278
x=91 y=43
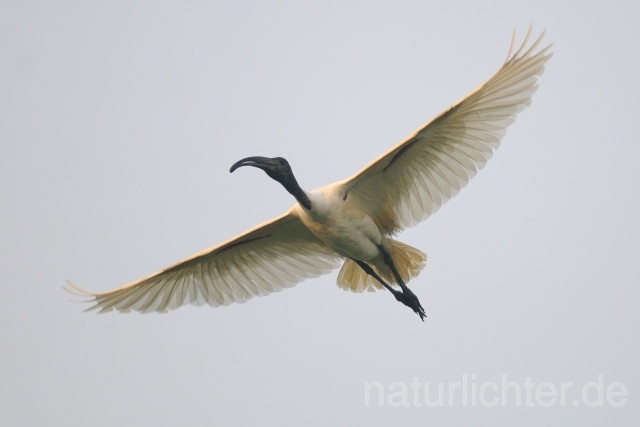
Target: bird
x=351 y=222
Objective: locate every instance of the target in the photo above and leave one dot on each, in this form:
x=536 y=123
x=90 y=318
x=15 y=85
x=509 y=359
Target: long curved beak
x=256 y=161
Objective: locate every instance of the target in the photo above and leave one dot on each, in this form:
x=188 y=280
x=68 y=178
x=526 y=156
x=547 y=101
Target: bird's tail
x=408 y=260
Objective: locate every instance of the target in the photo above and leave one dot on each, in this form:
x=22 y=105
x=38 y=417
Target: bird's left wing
x=413 y=179
x=268 y=258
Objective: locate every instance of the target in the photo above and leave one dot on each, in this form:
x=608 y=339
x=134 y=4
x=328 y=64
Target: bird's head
x=278 y=169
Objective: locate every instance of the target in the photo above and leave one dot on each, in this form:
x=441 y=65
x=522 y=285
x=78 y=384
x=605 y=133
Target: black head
x=278 y=169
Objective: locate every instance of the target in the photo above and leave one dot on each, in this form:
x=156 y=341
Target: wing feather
x=412 y=180
x=268 y=258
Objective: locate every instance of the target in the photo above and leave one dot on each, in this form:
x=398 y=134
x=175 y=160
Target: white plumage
x=351 y=219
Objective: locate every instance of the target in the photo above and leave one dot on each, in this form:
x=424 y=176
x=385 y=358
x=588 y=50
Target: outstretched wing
x=268 y=258
x=411 y=181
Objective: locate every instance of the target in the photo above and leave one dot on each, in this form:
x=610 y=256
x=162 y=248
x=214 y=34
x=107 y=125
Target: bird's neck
x=291 y=185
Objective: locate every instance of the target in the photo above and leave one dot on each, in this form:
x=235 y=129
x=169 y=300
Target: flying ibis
x=349 y=222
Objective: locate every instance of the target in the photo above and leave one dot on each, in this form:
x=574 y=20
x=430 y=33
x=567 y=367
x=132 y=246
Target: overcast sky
x=120 y=121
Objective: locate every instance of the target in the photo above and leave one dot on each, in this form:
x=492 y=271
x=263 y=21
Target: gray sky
x=120 y=122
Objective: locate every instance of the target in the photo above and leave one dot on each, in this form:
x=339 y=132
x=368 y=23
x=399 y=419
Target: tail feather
x=353 y=278
x=408 y=260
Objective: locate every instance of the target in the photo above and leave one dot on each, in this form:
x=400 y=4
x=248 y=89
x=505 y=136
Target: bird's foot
x=408 y=298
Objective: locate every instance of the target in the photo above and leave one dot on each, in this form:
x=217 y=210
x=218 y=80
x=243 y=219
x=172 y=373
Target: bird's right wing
x=412 y=180
x=268 y=258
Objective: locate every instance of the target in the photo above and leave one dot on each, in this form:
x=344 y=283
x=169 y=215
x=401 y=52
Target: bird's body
x=354 y=235
x=348 y=231
x=351 y=221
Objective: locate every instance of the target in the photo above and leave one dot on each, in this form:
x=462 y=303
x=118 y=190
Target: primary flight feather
x=351 y=221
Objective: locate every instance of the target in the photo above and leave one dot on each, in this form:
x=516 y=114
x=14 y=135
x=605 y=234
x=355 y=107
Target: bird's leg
x=409 y=298
x=367 y=269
